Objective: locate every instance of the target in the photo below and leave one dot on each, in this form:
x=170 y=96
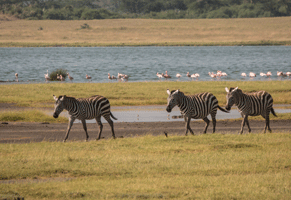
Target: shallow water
x=159 y=114
x=142 y=63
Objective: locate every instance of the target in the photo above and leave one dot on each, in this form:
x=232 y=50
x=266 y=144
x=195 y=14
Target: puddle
x=159 y=114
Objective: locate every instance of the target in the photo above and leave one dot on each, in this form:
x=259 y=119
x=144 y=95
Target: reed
x=212 y=166
x=145 y=32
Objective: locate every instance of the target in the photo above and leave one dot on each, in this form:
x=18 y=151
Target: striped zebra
x=84 y=108
x=253 y=104
x=197 y=106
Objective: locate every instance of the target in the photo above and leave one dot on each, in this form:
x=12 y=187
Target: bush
x=53 y=75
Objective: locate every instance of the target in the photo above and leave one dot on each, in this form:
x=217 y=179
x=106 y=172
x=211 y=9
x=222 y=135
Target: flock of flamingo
x=124 y=77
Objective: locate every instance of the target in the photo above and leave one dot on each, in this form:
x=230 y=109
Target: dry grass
x=114 y=32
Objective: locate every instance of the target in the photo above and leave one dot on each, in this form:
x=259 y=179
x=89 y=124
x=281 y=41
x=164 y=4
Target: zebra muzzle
x=55 y=115
x=168 y=109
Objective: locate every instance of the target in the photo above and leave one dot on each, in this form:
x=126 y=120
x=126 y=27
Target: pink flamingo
x=16 y=77
x=269 y=74
x=166 y=75
x=263 y=74
x=178 y=75
x=243 y=74
x=159 y=75
x=62 y=78
x=252 y=74
x=212 y=75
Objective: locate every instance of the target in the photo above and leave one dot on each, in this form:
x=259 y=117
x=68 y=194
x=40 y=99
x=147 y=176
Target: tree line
x=156 y=9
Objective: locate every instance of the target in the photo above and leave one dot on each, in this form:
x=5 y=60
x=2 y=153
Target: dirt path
x=16 y=132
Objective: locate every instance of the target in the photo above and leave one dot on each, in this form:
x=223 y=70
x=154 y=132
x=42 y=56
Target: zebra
x=252 y=104
x=197 y=106
x=84 y=108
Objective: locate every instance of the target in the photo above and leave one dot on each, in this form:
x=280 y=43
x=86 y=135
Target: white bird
x=223 y=74
x=219 y=73
x=46 y=77
x=269 y=74
x=197 y=75
x=212 y=75
x=88 y=77
x=243 y=74
x=263 y=74
x=280 y=73
x=16 y=77
x=120 y=75
x=70 y=77
x=193 y=76
x=178 y=75
x=288 y=73
x=252 y=74
x=125 y=76
x=159 y=75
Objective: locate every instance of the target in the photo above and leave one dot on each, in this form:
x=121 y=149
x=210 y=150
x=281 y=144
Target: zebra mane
x=66 y=97
x=231 y=89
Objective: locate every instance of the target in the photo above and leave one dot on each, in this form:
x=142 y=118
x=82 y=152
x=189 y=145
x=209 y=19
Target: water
x=142 y=63
x=159 y=114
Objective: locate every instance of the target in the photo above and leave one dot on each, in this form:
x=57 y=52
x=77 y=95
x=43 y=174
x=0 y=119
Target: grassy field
x=138 y=32
x=214 y=166
x=134 y=93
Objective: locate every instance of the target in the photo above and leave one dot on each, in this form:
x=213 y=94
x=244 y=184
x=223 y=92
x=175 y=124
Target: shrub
x=53 y=75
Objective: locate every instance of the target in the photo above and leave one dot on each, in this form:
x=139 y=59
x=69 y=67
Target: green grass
x=214 y=166
x=132 y=93
x=29 y=116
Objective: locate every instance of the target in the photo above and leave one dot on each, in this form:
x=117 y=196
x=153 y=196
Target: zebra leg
x=98 y=120
x=248 y=124
x=85 y=128
x=110 y=122
x=187 y=126
x=213 y=116
x=207 y=124
x=71 y=121
x=267 y=122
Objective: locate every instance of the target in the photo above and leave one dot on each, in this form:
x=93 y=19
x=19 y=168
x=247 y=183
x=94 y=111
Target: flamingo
x=252 y=74
x=46 y=76
x=212 y=75
x=188 y=74
x=243 y=74
x=120 y=75
x=178 y=75
x=288 y=73
x=263 y=74
x=223 y=74
x=109 y=77
x=280 y=73
x=71 y=78
x=197 y=75
x=193 y=76
x=16 y=77
x=269 y=74
x=219 y=73
x=125 y=76
x=159 y=75
x=88 y=77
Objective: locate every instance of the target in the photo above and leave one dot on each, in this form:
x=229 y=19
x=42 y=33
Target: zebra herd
x=197 y=106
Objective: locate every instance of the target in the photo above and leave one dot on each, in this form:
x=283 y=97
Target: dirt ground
x=22 y=132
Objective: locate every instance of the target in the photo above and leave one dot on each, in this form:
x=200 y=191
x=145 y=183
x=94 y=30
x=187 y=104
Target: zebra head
x=172 y=99
x=230 y=97
x=59 y=105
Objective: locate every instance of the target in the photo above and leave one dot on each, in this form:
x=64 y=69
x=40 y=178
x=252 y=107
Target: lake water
x=142 y=63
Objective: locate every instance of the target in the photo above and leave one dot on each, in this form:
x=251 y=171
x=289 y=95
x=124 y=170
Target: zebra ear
x=168 y=91
x=235 y=89
x=226 y=89
x=62 y=99
x=176 y=91
x=55 y=98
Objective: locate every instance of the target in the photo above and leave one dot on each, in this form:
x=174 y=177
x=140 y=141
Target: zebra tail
x=222 y=109
x=112 y=116
x=273 y=112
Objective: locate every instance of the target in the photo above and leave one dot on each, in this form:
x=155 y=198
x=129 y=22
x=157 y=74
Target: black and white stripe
x=252 y=104
x=84 y=108
x=197 y=106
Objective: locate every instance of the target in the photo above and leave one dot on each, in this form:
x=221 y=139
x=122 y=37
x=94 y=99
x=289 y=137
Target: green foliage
x=54 y=75
x=159 y=9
